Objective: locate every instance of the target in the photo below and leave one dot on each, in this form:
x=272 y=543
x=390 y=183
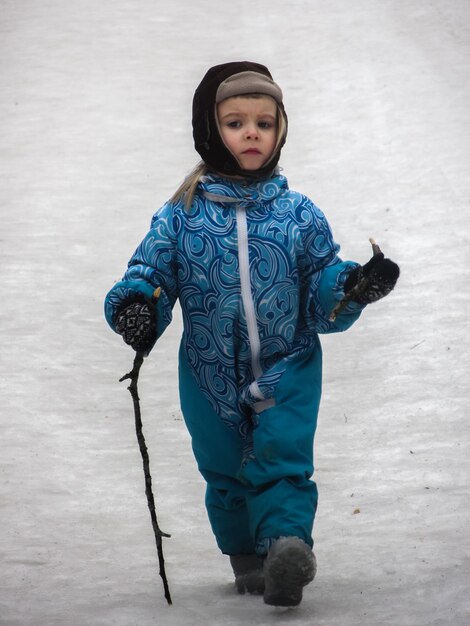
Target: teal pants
x=270 y=496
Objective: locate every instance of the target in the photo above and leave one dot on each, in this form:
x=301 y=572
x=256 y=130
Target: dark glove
x=372 y=281
x=137 y=325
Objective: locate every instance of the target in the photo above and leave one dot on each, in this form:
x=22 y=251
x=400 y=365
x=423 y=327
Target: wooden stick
x=133 y=375
x=375 y=246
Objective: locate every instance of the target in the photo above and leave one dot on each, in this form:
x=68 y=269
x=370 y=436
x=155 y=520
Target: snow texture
x=95 y=102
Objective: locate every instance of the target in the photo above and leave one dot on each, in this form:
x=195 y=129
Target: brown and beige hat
x=219 y=83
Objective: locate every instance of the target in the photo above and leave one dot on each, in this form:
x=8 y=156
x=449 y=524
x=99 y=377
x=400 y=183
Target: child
x=257 y=273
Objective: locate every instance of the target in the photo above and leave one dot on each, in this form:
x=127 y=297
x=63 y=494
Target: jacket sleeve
x=326 y=274
x=152 y=265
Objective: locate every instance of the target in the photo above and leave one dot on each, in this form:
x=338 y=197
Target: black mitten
x=137 y=325
x=372 y=281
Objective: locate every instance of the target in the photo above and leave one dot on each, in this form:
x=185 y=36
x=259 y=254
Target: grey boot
x=289 y=566
x=248 y=570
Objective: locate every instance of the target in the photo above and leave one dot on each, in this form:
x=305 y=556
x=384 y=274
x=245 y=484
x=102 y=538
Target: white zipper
x=247 y=299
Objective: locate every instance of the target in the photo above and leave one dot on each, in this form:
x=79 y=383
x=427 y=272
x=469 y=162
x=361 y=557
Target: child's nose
x=252 y=132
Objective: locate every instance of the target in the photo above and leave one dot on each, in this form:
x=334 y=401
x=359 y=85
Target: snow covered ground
x=95 y=104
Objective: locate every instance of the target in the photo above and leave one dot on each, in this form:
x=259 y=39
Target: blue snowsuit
x=257 y=273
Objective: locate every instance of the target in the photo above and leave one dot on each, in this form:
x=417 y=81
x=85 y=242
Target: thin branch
x=133 y=375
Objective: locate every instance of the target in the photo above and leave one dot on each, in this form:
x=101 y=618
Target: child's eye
x=234 y=124
x=265 y=124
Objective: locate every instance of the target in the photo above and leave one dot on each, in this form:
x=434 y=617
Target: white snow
x=95 y=102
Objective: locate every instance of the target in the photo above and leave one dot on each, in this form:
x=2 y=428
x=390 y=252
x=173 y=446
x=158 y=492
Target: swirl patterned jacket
x=256 y=271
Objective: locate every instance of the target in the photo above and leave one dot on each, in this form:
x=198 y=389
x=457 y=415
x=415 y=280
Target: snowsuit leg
x=272 y=494
x=218 y=450
x=282 y=500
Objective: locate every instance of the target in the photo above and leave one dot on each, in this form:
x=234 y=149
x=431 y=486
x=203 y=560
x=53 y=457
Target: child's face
x=249 y=129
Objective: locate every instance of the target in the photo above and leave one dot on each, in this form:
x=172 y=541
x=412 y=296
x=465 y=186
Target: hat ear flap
x=207 y=128
x=201 y=129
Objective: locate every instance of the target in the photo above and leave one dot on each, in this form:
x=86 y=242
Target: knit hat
x=222 y=82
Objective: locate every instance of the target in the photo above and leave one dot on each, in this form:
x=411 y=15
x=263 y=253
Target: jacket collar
x=228 y=190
